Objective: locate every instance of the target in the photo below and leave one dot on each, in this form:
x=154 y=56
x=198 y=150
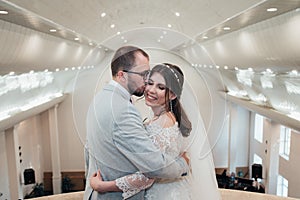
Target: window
x=257 y=159
x=285 y=142
x=258 y=131
x=282 y=186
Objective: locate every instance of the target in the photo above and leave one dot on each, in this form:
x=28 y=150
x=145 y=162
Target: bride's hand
x=185 y=157
x=97 y=183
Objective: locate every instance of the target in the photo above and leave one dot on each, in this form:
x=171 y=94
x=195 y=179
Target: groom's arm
x=131 y=138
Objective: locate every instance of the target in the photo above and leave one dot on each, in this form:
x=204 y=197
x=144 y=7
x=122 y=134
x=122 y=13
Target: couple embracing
x=125 y=157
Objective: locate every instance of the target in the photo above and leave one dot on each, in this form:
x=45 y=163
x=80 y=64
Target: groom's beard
x=137 y=92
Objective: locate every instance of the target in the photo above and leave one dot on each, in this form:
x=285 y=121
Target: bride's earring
x=171 y=107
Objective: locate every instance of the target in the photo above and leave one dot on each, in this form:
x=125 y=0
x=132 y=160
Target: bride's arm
x=133 y=184
x=129 y=185
x=101 y=186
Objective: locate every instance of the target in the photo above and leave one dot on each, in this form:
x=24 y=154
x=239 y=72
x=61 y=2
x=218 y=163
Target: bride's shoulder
x=167 y=120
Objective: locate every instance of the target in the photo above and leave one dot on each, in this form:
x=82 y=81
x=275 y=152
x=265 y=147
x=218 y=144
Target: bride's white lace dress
x=170 y=141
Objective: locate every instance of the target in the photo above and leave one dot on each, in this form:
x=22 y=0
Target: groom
x=117 y=142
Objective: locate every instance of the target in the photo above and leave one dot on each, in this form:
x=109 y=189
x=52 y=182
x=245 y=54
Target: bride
x=168 y=129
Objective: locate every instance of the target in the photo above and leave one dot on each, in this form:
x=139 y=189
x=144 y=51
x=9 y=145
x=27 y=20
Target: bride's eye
x=162 y=87
x=149 y=83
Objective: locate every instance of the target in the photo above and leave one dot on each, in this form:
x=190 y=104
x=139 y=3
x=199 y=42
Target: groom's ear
x=122 y=75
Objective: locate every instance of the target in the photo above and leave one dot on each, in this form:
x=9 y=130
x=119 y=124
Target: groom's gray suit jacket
x=118 y=144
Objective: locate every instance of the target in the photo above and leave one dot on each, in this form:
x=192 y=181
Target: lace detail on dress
x=177 y=189
x=133 y=184
x=168 y=140
x=171 y=142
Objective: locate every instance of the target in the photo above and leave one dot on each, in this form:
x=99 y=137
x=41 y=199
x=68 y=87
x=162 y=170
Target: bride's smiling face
x=155 y=91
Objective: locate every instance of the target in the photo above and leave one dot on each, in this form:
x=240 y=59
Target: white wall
x=45 y=142
x=13 y=163
x=272 y=163
x=23 y=146
x=30 y=136
x=290 y=169
x=271 y=141
x=238 y=137
x=4 y=181
x=263 y=151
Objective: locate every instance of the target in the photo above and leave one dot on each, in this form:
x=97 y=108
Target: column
x=54 y=145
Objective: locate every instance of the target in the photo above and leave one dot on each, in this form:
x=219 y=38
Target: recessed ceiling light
x=272 y=9
x=76 y=38
x=52 y=30
x=103 y=14
x=125 y=41
x=169 y=25
x=90 y=43
x=177 y=14
x=293 y=73
x=112 y=26
x=204 y=37
x=269 y=70
x=226 y=28
x=118 y=33
x=164 y=32
x=11 y=73
x=3 y=12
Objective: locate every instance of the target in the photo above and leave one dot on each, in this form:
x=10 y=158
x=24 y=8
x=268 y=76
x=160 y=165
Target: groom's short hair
x=124 y=58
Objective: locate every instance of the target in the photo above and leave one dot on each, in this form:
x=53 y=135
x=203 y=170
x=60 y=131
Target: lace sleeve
x=133 y=184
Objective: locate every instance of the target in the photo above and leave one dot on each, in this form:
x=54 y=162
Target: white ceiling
x=83 y=17
x=147 y=21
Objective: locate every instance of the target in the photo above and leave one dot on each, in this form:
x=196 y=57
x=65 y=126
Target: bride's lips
x=150 y=97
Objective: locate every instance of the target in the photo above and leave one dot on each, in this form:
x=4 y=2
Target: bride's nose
x=150 y=88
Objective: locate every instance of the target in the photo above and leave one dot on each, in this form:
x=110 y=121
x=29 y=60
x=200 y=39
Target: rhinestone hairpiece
x=176 y=76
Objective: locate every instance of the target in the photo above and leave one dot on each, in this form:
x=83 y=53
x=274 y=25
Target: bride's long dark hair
x=174 y=82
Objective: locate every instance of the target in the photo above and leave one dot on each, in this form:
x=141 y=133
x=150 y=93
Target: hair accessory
x=176 y=76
